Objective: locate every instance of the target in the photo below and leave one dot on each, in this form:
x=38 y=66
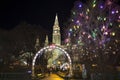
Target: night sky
x=39 y=12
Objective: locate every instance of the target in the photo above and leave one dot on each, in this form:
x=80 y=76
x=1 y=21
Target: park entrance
x=51 y=48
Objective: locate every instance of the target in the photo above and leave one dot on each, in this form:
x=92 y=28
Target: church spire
x=46 y=41
x=56 y=20
x=37 y=44
x=56 y=38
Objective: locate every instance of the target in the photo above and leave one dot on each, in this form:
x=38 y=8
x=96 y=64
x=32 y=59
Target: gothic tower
x=56 y=37
x=46 y=41
x=37 y=44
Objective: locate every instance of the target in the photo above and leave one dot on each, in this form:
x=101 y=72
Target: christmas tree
x=94 y=29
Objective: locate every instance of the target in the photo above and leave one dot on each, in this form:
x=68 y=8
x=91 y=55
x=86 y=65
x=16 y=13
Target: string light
x=95 y=27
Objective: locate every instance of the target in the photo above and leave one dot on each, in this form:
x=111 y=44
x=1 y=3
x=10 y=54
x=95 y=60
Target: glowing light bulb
x=104 y=19
x=113 y=12
x=101 y=6
x=94 y=5
x=80 y=5
x=73 y=13
x=117 y=11
x=72 y=20
x=77 y=26
x=70 y=29
x=98 y=18
x=106 y=33
x=111 y=24
x=88 y=10
x=113 y=34
x=83 y=33
x=114 y=52
x=77 y=21
x=89 y=36
x=103 y=26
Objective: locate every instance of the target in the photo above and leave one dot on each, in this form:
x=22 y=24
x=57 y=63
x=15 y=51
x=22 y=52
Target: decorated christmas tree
x=94 y=29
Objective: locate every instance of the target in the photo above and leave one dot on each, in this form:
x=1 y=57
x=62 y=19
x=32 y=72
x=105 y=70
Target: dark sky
x=40 y=12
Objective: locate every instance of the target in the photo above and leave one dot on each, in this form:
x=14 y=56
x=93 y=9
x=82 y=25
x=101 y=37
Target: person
x=84 y=72
x=50 y=70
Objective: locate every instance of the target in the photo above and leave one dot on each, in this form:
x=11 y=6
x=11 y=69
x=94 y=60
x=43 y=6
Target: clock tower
x=56 y=36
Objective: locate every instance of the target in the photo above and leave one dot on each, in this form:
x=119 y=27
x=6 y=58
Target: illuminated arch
x=49 y=47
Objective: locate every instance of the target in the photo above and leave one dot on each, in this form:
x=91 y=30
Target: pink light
x=77 y=21
x=83 y=33
x=89 y=36
x=103 y=27
x=117 y=11
x=113 y=12
x=106 y=33
x=67 y=40
x=101 y=6
x=87 y=17
x=81 y=14
x=52 y=46
x=109 y=2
